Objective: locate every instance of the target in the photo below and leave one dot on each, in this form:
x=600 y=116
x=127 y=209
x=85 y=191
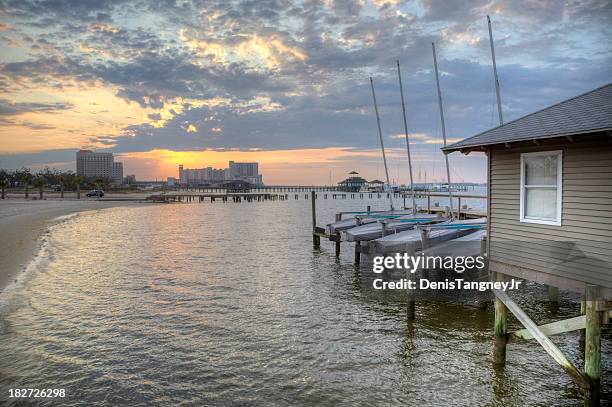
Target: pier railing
x=459 y=198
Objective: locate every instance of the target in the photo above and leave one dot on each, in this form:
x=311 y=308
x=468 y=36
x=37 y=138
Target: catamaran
x=386 y=225
x=413 y=239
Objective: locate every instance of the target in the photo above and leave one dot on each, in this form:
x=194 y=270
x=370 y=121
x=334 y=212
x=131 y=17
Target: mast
x=382 y=145
x=399 y=75
x=499 y=106
x=448 y=178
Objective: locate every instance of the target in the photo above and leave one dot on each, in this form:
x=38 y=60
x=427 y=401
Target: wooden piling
x=316 y=239
x=385 y=228
x=411 y=303
x=500 y=330
x=481 y=296
x=592 y=353
x=582 y=332
x=553 y=294
x=483 y=246
x=538 y=334
x=357 y=253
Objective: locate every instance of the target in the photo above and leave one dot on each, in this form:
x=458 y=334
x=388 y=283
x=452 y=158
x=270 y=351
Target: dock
x=432 y=204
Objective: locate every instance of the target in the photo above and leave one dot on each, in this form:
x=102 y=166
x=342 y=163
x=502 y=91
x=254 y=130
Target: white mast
x=399 y=75
x=499 y=106
x=448 y=178
x=382 y=145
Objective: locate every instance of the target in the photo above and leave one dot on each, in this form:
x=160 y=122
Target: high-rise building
x=90 y=164
x=130 y=179
x=196 y=176
x=118 y=172
x=243 y=169
x=245 y=172
x=248 y=172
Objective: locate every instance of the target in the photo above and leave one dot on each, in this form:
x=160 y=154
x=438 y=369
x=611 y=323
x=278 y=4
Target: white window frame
x=557 y=220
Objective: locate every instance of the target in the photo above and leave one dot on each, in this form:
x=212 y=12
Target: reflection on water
x=228 y=304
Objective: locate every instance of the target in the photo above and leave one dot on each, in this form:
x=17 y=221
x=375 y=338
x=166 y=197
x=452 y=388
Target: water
x=228 y=304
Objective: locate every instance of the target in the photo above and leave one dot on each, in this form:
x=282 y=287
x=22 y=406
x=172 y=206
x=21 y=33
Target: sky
x=285 y=83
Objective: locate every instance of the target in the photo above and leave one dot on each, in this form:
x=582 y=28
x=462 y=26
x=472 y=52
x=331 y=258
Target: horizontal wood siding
x=579 y=249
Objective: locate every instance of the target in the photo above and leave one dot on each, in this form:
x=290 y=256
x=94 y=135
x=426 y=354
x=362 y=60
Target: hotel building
x=248 y=172
x=90 y=164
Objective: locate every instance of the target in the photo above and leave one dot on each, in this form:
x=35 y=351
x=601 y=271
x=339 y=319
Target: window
x=541 y=175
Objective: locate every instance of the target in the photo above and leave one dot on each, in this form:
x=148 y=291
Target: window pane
x=541 y=170
x=541 y=203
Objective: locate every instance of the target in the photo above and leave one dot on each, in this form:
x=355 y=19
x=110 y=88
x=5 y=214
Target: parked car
x=95 y=192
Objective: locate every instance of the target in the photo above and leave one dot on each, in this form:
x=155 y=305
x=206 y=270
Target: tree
x=40 y=184
x=25 y=177
x=3 y=185
x=61 y=180
x=77 y=180
x=99 y=182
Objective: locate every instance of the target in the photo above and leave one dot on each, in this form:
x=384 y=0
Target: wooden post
x=316 y=240
x=424 y=239
x=481 y=297
x=368 y=208
x=582 y=332
x=553 y=294
x=592 y=353
x=357 y=253
x=411 y=304
x=337 y=244
x=500 y=329
x=483 y=246
x=537 y=333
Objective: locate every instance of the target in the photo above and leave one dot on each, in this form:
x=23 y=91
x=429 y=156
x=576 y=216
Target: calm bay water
x=209 y=304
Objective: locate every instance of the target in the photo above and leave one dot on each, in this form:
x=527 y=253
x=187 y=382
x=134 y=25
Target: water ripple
x=229 y=305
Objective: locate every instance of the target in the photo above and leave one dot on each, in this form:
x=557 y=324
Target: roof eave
x=467 y=148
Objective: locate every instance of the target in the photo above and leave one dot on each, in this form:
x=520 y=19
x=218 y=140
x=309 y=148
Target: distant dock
x=431 y=204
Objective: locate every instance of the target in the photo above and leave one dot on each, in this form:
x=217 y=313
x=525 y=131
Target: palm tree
x=61 y=180
x=25 y=177
x=40 y=183
x=98 y=182
x=3 y=185
x=77 y=183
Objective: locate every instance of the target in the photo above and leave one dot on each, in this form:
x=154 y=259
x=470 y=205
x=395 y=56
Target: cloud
x=274 y=75
x=8 y=108
x=422 y=138
x=253 y=51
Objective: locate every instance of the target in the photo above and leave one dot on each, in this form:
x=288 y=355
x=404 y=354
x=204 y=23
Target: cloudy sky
x=282 y=82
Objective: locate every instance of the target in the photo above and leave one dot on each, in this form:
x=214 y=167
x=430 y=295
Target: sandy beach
x=22 y=223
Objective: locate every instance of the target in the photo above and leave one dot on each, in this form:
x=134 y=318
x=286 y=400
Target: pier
x=434 y=202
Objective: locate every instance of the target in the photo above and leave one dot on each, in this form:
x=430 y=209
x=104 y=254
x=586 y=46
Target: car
x=95 y=192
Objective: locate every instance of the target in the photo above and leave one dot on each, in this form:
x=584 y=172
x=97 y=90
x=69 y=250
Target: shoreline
x=24 y=222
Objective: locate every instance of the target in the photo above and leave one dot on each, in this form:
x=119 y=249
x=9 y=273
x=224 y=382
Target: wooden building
x=353 y=183
x=550 y=210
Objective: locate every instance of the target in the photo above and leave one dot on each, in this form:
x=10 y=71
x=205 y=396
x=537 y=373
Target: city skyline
x=282 y=84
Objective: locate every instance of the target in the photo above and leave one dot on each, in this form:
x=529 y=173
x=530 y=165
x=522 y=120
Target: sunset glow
x=201 y=84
